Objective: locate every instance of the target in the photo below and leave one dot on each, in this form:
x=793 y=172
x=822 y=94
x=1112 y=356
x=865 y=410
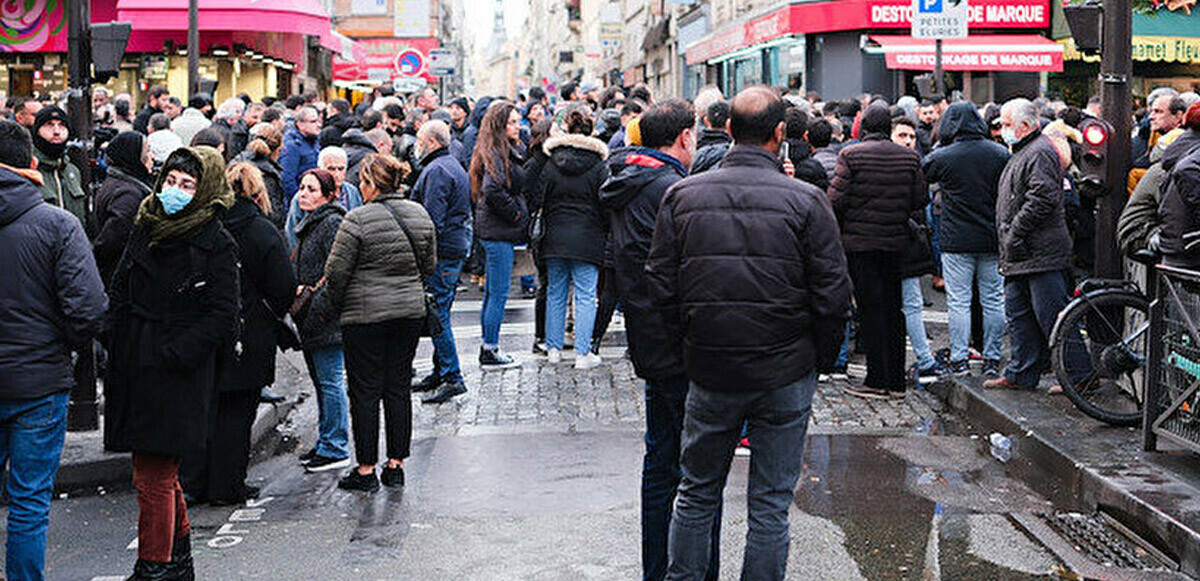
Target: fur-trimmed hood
x=575 y=154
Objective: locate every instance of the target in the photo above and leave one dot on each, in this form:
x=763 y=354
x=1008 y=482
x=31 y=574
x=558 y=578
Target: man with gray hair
x=1035 y=246
x=333 y=160
x=228 y=121
x=445 y=190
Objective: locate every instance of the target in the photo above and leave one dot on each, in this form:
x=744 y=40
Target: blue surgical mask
x=1009 y=135
x=174 y=199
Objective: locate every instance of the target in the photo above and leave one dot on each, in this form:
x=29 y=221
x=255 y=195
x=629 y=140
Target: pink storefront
x=260 y=47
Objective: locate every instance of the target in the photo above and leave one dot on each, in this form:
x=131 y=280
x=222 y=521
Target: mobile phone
x=784 y=151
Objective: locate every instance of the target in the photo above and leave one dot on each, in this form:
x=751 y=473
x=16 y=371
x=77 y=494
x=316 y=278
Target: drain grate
x=1092 y=537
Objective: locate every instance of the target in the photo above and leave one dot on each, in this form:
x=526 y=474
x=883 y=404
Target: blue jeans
x=935 y=237
x=843 y=358
x=327 y=368
x=31 y=442
x=778 y=421
x=561 y=273
x=443 y=285
x=914 y=303
x=961 y=271
x=1032 y=303
x=665 y=401
x=498 y=266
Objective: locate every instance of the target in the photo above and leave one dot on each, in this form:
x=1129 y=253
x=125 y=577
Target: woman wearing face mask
x=117 y=202
x=173 y=314
x=320 y=333
x=218 y=475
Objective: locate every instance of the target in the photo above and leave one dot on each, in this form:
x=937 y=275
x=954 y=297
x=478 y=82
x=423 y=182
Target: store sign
x=980 y=14
x=33 y=26
x=1166 y=48
x=1016 y=61
x=384 y=59
x=940 y=18
x=411 y=18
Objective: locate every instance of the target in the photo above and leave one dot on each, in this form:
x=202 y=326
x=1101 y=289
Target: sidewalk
x=1089 y=466
x=86 y=467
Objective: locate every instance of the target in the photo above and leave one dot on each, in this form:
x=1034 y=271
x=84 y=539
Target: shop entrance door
x=20 y=82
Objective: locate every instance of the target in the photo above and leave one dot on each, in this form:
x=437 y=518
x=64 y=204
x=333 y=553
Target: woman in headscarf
x=173 y=315
x=117 y=202
x=218 y=475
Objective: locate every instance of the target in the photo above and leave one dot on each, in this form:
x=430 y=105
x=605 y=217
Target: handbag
x=433 y=324
x=287 y=334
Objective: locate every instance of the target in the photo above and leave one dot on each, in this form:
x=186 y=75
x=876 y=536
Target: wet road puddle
x=922 y=508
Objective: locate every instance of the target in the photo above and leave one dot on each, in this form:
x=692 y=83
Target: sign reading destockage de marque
x=940 y=18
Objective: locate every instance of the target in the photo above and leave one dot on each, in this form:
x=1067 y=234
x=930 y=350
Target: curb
x=1084 y=466
x=111 y=470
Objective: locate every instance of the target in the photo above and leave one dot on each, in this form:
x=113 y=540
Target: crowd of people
x=752 y=245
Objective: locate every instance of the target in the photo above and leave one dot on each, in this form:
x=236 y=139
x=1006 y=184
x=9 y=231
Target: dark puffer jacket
x=711 y=147
x=968 y=171
x=754 y=277
x=273 y=180
x=1030 y=217
x=357 y=147
x=318 y=323
x=808 y=169
x=1180 y=214
x=632 y=197
x=575 y=225
x=112 y=221
x=875 y=188
x=501 y=212
x=268 y=287
x=445 y=190
x=52 y=295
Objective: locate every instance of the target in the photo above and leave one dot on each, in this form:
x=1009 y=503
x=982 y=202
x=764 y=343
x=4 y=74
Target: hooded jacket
x=117 y=204
x=445 y=190
x=472 y=132
x=808 y=169
x=57 y=301
x=1180 y=213
x=632 y=195
x=189 y=123
x=318 y=323
x=875 y=188
x=968 y=171
x=62 y=184
x=754 y=278
x=711 y=146
x=1139 y=220
x=1030 y=218
x=173 y=324
x=357 y=147
x=575 y=226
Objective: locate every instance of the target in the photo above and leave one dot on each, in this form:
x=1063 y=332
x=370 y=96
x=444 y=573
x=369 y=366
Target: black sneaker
x=392 y=477
x=323 y=464
x=306 y=457
x=356 y=481
x=445 y=392
x=539 y=347
x=991 y=368
x=429 y=383
x=924 y=376
x=494 y=358
x=867 y=392
x=942 y=356
x=960 y=367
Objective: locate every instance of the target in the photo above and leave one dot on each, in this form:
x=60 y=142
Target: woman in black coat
x=263 y=151
x=173 y=316
x=218 y=475
x=320 y=331
x=575 y=230
x=117 y=201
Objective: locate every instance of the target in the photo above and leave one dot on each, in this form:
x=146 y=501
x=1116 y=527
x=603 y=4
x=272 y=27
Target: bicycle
x=1100 y=346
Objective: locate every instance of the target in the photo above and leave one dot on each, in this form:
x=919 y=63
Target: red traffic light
x=1094 y=135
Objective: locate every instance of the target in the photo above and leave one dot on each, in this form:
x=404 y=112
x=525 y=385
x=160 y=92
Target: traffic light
x=1086 y=23
x=1094 y=165
x=108 y=48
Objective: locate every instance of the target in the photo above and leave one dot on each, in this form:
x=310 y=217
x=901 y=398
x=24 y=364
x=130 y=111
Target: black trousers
x=219 y=473
x=607 y=293
x=539 y=301
x=379 y=359
x=878 y=294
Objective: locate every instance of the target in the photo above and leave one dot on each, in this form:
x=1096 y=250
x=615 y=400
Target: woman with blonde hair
x=266 y=142
x=374 y=280
x=218 y=474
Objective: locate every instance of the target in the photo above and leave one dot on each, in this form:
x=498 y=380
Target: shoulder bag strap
x=411 y=242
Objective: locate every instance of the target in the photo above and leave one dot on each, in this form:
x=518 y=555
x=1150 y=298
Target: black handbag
x=433 y=324
x=287 y=334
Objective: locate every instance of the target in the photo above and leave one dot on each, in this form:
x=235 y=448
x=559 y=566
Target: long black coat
x=174 y=312
x=1030 y=219
x=575 y=225
x=273 y=179
x=112 y=220
x=265 y=275
x=318 y=323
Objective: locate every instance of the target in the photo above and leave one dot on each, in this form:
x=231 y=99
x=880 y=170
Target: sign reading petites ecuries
x=442 y=62
x=940 y=18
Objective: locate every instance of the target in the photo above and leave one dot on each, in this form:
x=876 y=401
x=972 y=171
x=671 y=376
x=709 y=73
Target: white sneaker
x=587 y=361
x=554 y=356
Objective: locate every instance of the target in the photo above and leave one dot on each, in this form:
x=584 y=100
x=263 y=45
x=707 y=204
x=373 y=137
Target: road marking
x=227 y=536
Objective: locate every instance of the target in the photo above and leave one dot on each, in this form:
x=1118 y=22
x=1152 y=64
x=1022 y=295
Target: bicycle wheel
x=1099 y=349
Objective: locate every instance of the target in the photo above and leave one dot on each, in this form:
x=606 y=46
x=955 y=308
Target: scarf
x=30 y=174
x=213 y=195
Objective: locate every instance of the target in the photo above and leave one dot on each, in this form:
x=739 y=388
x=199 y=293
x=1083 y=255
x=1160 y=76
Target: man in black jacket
x=54 y=305
x=641 y=177
x=714 y=140
x=800 y=152
x=747 y=264
x=1035 y=246
x=156 y=98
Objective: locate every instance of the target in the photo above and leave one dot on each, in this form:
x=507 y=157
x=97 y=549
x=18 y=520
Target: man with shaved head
x=747 y=267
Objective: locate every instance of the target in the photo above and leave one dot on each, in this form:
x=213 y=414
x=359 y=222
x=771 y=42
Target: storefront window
x=745 y=72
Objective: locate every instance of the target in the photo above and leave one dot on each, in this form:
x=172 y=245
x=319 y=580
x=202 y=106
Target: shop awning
x=306 y=17
x=1027 y=53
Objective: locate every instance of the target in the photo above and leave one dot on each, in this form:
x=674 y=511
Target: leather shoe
x=428 y=383
x=145 y=570
x=1002 y=383
x=268 y=396
x=445 y=392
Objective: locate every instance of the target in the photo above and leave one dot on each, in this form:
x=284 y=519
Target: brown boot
x=1002 y=383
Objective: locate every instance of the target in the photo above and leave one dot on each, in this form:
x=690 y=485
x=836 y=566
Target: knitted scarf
x=213 y=195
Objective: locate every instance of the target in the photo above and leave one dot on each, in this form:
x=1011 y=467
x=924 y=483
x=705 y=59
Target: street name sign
x=939 y=19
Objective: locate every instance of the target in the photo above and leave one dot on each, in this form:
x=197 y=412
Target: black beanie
x=876 y=119
x=48 y=114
